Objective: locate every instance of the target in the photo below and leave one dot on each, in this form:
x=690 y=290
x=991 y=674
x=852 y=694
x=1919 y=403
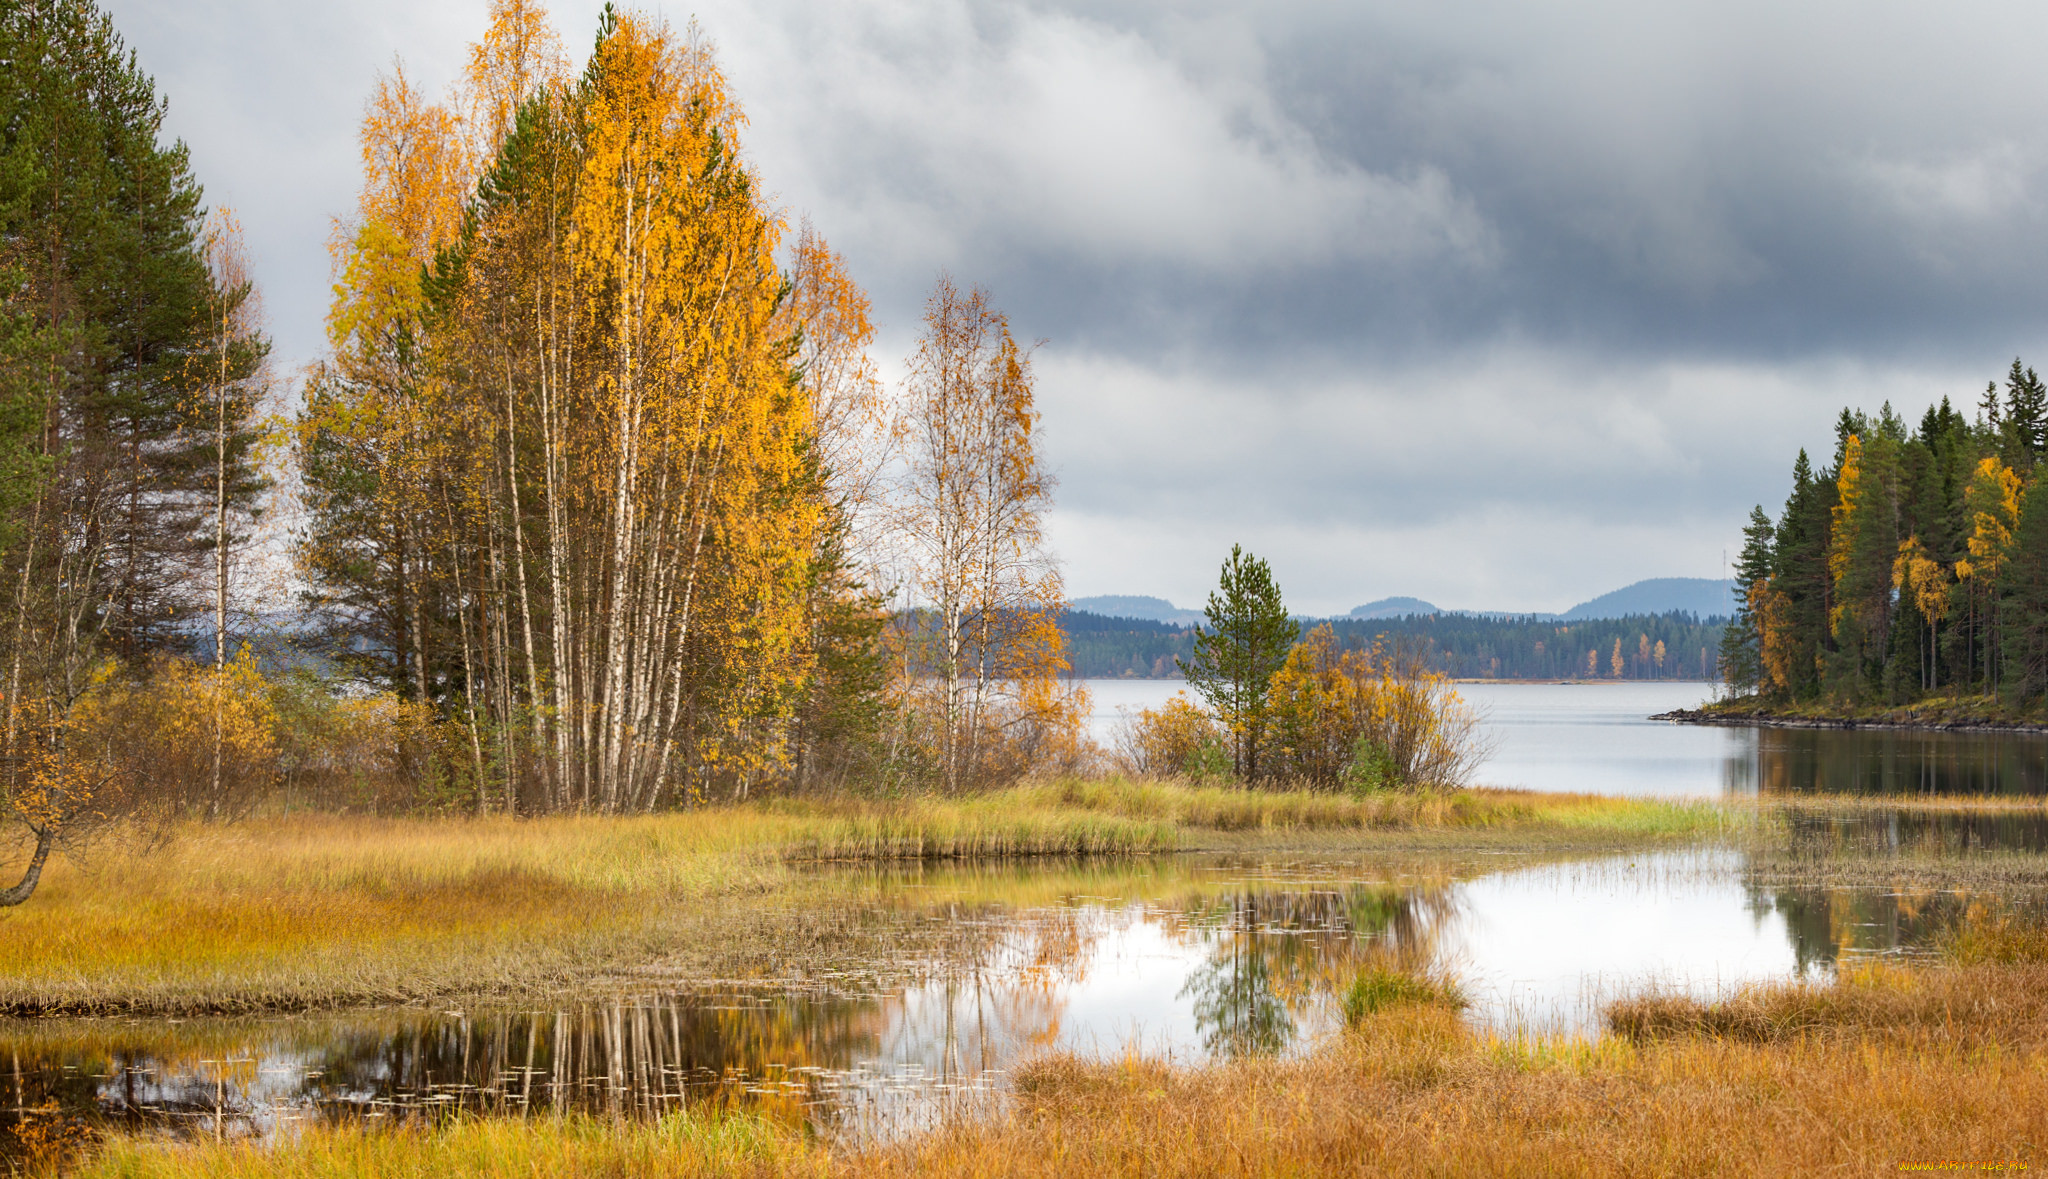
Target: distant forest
x=1675 y=646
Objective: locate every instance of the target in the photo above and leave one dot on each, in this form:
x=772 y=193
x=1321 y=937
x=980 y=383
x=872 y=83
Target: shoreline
x=1772 y=720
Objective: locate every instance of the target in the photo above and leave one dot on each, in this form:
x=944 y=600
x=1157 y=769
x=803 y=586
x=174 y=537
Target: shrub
x=1176 y=740
x=1367 y=718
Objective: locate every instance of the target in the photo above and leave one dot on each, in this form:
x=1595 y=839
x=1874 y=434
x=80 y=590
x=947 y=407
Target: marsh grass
x=1410 y=1089
x=681 y=1145
x=1379 y=988
x=311 y=911
x=1884 y=1064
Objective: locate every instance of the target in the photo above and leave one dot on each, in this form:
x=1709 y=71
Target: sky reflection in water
x=1187 y=958
x=1207 y=958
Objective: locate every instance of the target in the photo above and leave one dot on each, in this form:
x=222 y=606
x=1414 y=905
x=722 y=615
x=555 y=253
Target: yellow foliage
x=1335 y=710
x=1176 y=739
x=182 y=736
x=1993 y=497
x=1849 y=496
x=1920 y=575
x=1777 y=645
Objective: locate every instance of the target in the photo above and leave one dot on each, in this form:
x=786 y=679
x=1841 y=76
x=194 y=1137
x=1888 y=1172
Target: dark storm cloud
x=1502 y=304
x=1710 y=179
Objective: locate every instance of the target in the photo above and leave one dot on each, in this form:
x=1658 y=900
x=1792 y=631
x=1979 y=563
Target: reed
x=683 y=1145
x=1411 y=1089
x=319 y=911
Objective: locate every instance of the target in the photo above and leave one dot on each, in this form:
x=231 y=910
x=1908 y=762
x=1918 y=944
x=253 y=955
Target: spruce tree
x=1742 y=642
x=2026 y=416
x=2024 y=590
x=1800 y=570
x=1246 y=641
x=105 y=224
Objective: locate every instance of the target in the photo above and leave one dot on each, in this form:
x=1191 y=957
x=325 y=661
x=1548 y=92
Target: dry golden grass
x=680 y=1146
x=1884 y=1069
x=317 y=911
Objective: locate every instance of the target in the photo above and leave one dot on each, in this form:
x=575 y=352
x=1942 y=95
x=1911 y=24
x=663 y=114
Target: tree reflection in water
x=1889 y=761
x=1829 y=925
x=1278 y=954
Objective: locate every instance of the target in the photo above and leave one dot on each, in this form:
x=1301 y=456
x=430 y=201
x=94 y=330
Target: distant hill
x=1136 y=606
x=1705 y=596
x=1393 y=608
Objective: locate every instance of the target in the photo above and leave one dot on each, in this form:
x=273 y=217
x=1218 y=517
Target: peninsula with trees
x=1905 y=583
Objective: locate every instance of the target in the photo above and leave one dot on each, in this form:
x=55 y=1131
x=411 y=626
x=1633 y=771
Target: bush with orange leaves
x=182 y=738
x=1176 y=740
x=58 y=791
x=1370 y=719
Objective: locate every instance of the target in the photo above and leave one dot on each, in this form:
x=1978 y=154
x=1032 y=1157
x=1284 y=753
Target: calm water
x=1189 y=957
x=1598 y=738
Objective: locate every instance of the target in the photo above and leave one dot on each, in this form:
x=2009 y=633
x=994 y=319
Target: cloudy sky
x=1500 y=304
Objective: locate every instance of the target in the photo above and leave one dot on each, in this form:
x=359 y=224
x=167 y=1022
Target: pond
x=1187 y=958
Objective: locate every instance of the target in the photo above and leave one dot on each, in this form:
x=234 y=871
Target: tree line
x=1913 y=565
x=595 y=502
x=1674 y=646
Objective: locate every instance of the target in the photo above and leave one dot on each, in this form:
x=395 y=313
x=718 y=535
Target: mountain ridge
x=1706 y=597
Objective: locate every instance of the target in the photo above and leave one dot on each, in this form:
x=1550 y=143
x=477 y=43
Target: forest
x=1913 y=566
x=1462 y=646
x=594 y=503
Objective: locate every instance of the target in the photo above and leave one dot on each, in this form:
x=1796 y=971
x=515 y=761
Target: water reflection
x=1826 y=926
x=1890 y=761
x=1191 y=957
x=1886 y=831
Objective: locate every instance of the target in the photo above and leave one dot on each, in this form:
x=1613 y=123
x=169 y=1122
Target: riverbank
x=1883 y=1068
x=324 y=912
x=1966 y=714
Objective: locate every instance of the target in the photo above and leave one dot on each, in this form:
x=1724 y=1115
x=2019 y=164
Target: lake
x=1188 y=957
x=1598 y=739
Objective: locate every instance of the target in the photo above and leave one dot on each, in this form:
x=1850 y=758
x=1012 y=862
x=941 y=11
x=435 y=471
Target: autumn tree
x=1741 y=643
x=1370 y=718
x=827 y=316
x=1992 y=502
x=113 y=473
x=563 y=470
x=970 y=509
x=1247 y=639
x=1923 y=586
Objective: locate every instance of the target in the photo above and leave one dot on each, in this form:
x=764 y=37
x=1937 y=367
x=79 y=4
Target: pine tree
x=1742 y=642
x=1247 y=639
x=2023 y=587
x=2026 y=416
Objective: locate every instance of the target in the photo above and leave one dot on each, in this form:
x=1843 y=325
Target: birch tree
x=578 y=422
x=972 y=504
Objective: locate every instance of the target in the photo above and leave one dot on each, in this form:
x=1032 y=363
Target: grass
x=1380 y=988
x=682 y=1145
x=1955 y=710
x=1881 y=1070
x=1883 y=1066
x=315 y=912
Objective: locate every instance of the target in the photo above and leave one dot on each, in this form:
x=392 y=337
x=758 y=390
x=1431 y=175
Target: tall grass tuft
x=1379 y=988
